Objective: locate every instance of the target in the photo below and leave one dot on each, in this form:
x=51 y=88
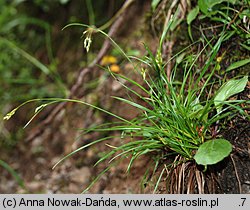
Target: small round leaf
x=212 y=152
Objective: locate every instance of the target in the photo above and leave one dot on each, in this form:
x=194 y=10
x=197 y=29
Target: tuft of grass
x=177 y=117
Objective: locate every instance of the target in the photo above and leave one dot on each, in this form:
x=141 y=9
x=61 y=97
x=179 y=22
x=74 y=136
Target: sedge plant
x=177 y=116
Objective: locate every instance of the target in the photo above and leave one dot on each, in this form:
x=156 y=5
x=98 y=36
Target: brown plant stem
x=39 y=130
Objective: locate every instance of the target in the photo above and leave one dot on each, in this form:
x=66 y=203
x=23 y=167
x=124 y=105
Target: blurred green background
x=37 y=58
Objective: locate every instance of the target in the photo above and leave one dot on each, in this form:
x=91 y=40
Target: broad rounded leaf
x=206 y=5
x=213 y=151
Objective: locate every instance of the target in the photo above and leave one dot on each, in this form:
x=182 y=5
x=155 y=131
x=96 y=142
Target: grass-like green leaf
x=13 y=173
x=43 y=68
x=230 y=88
x=154 y=4
x=212 y=152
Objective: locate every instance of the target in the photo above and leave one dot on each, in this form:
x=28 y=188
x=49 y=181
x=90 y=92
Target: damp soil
x=233 y=173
